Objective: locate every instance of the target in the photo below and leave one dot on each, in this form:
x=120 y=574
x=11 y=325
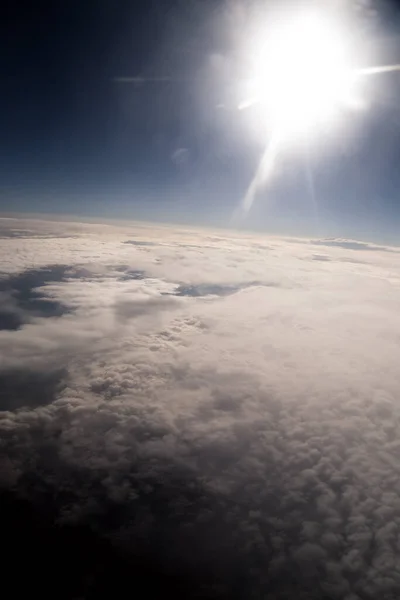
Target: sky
x=76 y=141
x=197 y=413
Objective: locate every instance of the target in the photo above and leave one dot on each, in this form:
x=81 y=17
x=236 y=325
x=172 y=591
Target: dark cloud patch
x=96 y=567
x=34 y=540
x=22 y=297
x=128 y=273
x=344 y=259
x=351 y=245
x=212 y=289
x=320 y=257
x=170 y=534
x=24 y=388
x=10 y=319
x=27 y=280
x=131 y=274
x=140 y=243
x=197 y=246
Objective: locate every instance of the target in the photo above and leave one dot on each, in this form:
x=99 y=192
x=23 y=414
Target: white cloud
x=272 y=412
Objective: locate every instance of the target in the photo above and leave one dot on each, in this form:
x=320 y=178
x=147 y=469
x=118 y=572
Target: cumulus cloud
x=214 y=416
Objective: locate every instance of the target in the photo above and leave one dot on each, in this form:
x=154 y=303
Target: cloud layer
x=213 y=415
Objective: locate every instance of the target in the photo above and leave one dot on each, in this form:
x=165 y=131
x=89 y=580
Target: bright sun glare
x=302 y=75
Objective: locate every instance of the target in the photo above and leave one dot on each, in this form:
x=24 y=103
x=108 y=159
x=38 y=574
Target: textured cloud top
x=212 y=415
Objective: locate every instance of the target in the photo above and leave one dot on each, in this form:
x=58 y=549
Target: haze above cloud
x=220 y=409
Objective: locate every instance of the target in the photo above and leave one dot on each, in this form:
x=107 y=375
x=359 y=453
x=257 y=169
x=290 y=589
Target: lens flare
x=301 y=75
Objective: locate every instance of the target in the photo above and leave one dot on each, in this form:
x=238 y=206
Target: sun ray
x=261 y=177
x=377 y=70
x=311 y=189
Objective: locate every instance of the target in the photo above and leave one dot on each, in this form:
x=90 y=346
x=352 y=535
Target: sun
x=306 y=70
x=302 y=75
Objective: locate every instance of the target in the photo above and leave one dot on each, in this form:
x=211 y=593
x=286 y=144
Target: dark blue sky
x=76 y=141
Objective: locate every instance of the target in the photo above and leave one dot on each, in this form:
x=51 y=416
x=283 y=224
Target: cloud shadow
x=212 y=289
x=30 y=389
x=132 y=274
x=22 y=297
x=140 y=243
